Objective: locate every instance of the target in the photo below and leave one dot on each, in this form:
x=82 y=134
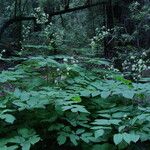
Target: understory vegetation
x=79 y=84
x=51 y=103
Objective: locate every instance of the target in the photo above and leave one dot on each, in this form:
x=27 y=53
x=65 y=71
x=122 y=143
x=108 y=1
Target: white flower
x=132 y=57
x=111 y=67
x=103 y=27
x=136 y=3
x=140 y=61
x=116 y=70
x=139 y=76
x=63 y=77
x=133 y=66
x=125 y=62
x=92 y=43
x=73 y=61
x=3 y=51
x=56 y=81
x=38 y=9
x=96 y=29
x=67 y=73
x=68 y=68
x=133 y=69
x=65 y=59
x=144 y=54
x=58 y=69
x=144 y=66
x=125 y=116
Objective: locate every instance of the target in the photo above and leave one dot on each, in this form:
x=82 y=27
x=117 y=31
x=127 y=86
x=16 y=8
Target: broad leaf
x=117 y=138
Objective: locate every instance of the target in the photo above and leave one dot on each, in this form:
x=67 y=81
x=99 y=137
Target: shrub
x=43 y=100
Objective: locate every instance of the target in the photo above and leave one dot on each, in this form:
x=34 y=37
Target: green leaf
x=130 y=137
x=143 y=116
x=85 y=93
x=34 y=139
x=115 y=121
x=26 y=145
x=134 y=137
x=106 y=122
x=17 y=93
x=105 y=115
x=101 y=127
x=117 y=138
x=98 y=133
x=129 y=94
x=24 y=132
x=17 y=139
x=121 y=128
x=78 y=108
x=79 y=131
x=67 y=107
x=127 y=137
x=9 y=118
x=24 y=96
x=95 y=93
x=119 y=114
x=101 y=122
x=86 y=137
x=61 y=139
x=20 y=104
x=76 y=99
x=73 y=139
x=15 y=147
x=105 y=94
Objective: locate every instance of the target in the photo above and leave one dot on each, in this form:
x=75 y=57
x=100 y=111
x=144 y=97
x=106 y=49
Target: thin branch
x=76 y=9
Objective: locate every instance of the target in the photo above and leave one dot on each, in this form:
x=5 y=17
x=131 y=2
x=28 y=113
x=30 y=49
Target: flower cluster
x=25 y=32
x=97 y=40
x=134 y=6
x=47 y=30
x=63 y=73
x=135 y=65
x=40 y=16
x=71 y=61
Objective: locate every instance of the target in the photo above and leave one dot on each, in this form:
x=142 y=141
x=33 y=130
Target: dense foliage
x=74 y=82
x=49 y=102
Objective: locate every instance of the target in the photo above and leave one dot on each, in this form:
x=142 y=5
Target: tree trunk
x=108 y=48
